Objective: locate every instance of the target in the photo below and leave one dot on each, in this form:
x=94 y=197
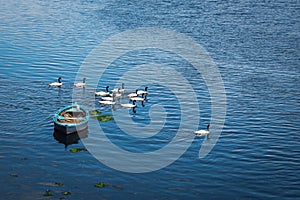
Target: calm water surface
x=255 y=45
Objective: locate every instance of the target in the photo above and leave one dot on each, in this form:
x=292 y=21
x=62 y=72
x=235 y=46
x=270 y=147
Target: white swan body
x=107 y=98
x=101 y=93
x=115 y=90
x=83 y=84
x=111 y=98
x=58 y=83
x=202 y=132
x=129 y=105
x=116 y=94
x=107 y=102
x=137 y=98
x=139 y=92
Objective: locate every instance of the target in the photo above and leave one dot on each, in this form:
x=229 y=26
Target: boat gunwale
x=56 y=116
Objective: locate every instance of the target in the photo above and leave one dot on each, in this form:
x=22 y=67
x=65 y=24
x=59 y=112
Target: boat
x=71 y=119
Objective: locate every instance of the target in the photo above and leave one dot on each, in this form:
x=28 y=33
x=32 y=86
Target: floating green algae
x=105 y=118
x=14 y=175
x=66 y=193
x=76 y=150
x=47 y=193
x=94 y=112
x=100 y=185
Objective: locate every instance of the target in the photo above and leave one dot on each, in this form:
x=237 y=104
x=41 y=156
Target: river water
x=255 y=47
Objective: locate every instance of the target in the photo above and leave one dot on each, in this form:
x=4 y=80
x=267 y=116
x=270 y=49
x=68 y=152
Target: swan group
x=111 y=97
x=59 y=83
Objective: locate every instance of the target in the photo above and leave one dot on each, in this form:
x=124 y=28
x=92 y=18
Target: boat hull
x=69 y=129
x=79 y=124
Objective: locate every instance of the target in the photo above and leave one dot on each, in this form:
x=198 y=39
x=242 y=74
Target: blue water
x=255 y=45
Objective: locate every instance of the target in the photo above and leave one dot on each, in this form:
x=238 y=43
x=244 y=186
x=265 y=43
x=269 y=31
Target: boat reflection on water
x=68 y=139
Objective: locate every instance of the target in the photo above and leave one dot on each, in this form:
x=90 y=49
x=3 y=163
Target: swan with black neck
x=203 y=132
x=58 y=83
x=83 y=84
x=131 y=95
x=101 y=93
x=139 y=92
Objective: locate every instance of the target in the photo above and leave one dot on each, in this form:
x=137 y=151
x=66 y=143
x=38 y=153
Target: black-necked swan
x=129 y=105
x=101 y=93
x=203 y=132
x=83 y=84
x=58 y=83
x=139 y=92
x=133 y=94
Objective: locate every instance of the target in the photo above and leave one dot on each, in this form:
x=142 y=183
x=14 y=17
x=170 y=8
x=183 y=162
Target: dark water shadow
x=68 y=139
